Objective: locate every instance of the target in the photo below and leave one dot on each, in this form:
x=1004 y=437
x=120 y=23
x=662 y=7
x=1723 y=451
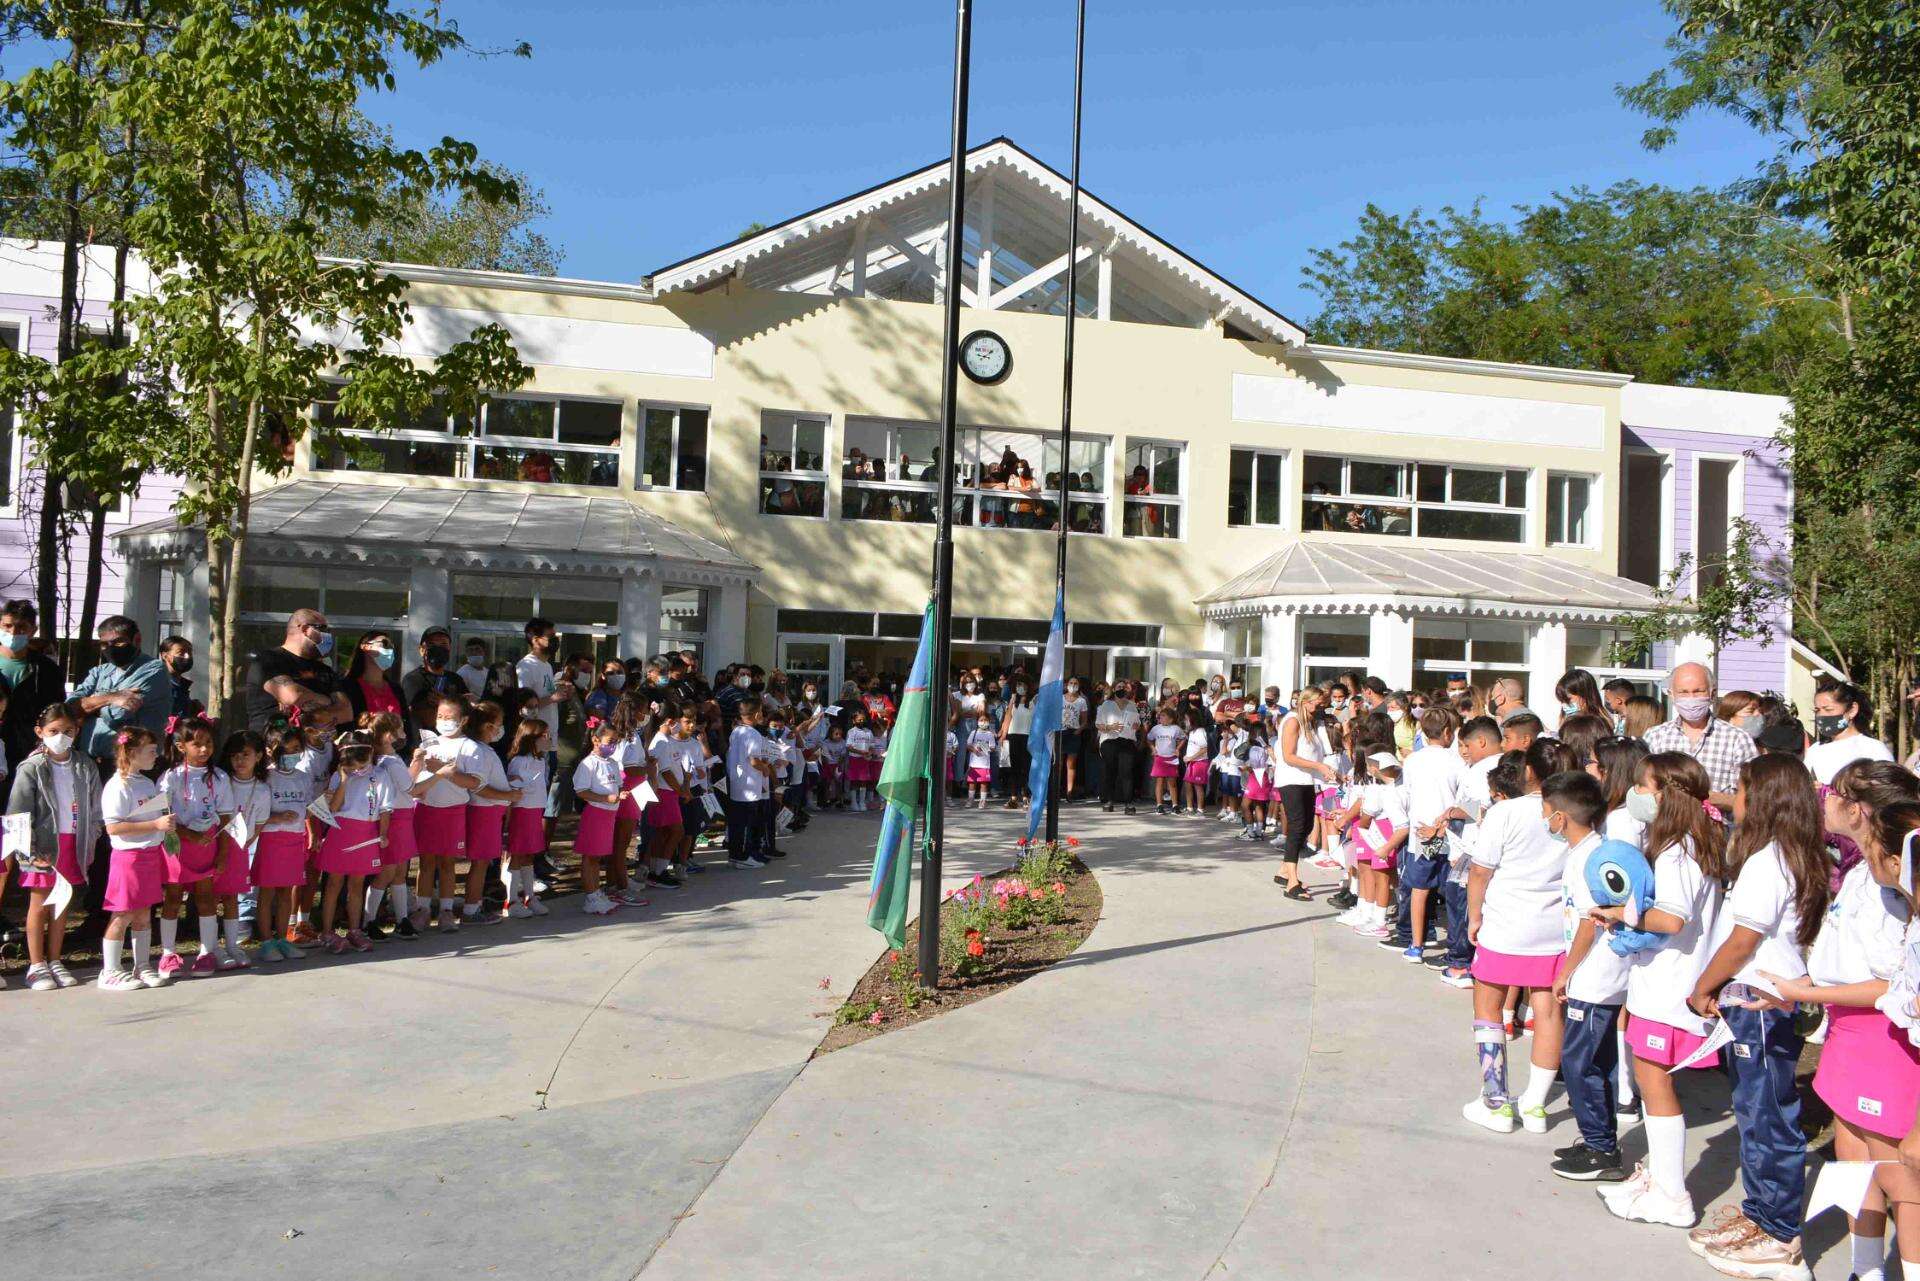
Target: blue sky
x=1247 y=134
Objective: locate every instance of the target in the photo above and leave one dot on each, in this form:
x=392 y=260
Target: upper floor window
x=1002 y=479
x=1404 y=499
x=793 y=464
x=10 y=339
x=547 y=439
x=673 y=448
x=1253 y=487
x=1155 y=490
x=1569 y=518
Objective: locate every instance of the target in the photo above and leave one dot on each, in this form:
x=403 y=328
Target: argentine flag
x=1046 y=714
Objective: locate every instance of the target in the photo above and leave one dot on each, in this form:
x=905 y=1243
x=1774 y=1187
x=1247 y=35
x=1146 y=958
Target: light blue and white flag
x=1046 y=714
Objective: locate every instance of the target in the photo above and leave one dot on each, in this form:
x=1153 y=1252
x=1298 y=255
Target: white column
x=1279 y=652
x=727 y=626
x=429 y=604
x=196 y=619
x=141 y=598
x=1390 y=648
x=1546 y=664
x=640 y=613
x=1213 y=634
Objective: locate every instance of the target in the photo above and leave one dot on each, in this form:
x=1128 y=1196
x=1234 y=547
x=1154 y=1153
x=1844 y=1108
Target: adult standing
x=176 y=655
x=697 y=683
x=1016 y=725
x=1232 y=706
x=1073 y=721
x=34 y=681
x=1118 y=721
x=1299 y=767
x=606 y=695
x=296 y=679
x=1840 y=714
x=370 y=687
x=127 y=688
x=544 y=695
x=1720 y=748
x=1509 y=700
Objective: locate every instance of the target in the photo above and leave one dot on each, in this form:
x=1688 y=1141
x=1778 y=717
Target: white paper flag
x=1842 y=1185
x=240 y=828
x=1719 y=1036
x=16 y=838
x=643 y=794
x=322 y=811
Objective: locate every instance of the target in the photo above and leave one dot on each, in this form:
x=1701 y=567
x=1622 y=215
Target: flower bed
x=994 y=932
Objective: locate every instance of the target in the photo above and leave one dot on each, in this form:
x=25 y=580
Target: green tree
x=246 y=113
x=1671 y=286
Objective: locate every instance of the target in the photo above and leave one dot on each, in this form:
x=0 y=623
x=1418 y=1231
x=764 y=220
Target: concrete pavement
x=1219 y=1083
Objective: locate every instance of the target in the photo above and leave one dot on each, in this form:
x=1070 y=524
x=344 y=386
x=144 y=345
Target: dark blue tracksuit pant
x=1766 y=1107
x=1589 y=1058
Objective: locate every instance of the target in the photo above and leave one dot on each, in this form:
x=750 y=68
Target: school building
x=737 y=454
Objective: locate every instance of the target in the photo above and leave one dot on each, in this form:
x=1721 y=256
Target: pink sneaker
x=333 y=944
x=170 y=964
x=358 y=941
x=203 y=965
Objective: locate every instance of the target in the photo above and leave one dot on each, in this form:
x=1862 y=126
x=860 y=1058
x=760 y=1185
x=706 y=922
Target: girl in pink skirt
x=137 y=822
x=455 y=763
x=1259 y=787
x=1194 y=768
x=350 y=851
x=243 y=761
x=280 y=853
x=526 y=817
x=59 y=790
x=1375 y=824
x=863 y=761
x=1165 y=740
x=487 y=807
x=630 y=720
x=673 y=772
x=596 y=781
x=201 y=803
x=405 y=783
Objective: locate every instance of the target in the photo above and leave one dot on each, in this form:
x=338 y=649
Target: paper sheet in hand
x=643 y=794
x=1842 y=1185
x=240 y=828
x=832 y=711
x=16 y=838
x=322 y=811
x=151 y=808
x=1719 y=1036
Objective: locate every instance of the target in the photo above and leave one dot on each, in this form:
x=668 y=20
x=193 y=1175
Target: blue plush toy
x=1619 y=875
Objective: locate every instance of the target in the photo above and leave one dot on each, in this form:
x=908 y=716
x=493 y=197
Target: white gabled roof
x=1151 y=261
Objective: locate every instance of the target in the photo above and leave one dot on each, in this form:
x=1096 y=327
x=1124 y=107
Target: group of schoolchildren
x=1642 y=926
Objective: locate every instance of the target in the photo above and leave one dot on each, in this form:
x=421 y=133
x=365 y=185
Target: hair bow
x=123 y=737
x=1712 y=811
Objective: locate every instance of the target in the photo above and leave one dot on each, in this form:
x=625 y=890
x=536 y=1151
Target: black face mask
x=121 y=653
x=181 y=666
x=437 y=655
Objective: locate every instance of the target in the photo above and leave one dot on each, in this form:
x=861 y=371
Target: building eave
x=1462 y=365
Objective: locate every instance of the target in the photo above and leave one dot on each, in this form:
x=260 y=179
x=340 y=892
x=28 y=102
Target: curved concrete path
x=1218 y=1083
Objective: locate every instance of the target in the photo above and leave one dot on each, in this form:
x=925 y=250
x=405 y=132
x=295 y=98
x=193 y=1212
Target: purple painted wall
x=1765 y=497
x=19 y=518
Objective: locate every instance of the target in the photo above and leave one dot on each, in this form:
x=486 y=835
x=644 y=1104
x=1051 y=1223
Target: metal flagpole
x=937 y=675
x=1066 y=385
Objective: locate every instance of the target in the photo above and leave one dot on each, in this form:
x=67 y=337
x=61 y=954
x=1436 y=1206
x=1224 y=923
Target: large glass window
x=1568 y=506
x=1483 y=652
x=683 y=619
x=355 y=600
x=494 y=608
x=1155 y=490
x=673 y=448
x=1403 y=499
x=1253 y=487
x=1331 y=646
x=10 y=339
x=544 y=439
x=1002 y=479
x=793 y=464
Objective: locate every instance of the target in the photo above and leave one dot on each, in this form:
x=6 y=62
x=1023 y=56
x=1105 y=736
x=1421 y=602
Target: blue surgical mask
x=1569 y=709
x=14 y=640
x=383 y=659
x=325 y=644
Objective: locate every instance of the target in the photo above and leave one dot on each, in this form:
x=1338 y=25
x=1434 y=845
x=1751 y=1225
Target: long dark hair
x=1579 y=682
x=1619 y=761
x=358 y=663
x=1582 y=734
x=1682 y=819
x=1782 y=809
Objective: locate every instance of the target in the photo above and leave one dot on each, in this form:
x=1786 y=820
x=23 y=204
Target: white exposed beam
x=1034 y=279
x=860 y=258
x=1103 y=304
x=983 y=277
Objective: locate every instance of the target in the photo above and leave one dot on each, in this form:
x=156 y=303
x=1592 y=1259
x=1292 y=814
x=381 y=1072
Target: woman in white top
x=1118 y=721
x=1015 y=724
x=1839 y=710
x=1073 y=721
x=1299 y=767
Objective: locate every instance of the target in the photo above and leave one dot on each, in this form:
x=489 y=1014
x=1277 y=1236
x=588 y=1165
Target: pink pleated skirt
x=630 y=808
x=486 y=832
x=136 y=879
x=400 y=847
x=1663 y=1044
x=595 y=837
x=193 y=863
x=1164 y=767
x=526 y=830
x=665 y=812
x=440 y=831
x=67 y=859
x=1197 y=773
x=238 y=878
x=351 y=848
x=1505 y=969
x=280 y=860
x=1869 y=1072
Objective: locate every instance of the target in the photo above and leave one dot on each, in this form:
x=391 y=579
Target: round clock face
x=985 y=357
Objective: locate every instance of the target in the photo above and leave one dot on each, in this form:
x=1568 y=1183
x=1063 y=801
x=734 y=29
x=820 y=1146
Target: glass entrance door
x=817 y=658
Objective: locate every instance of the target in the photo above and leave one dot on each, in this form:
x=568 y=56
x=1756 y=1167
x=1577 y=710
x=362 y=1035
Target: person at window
x=474 y=671
x=1025 y=511
x=176 y=655
x=1397 y=520
x=424 y=686
x=33 y=680
x=855 y=467
x=1357 y=520
x=537 y=466
x=1317 y=514
x=783 y=499
x=371 y=689
x=127 y=689
x=296 y=679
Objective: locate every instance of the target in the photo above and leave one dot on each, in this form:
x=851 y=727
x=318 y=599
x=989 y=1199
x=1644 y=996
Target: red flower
x=1073 y=842
x=893 y=957
x=1058 y=888
x=975 y=947
x=972 y=935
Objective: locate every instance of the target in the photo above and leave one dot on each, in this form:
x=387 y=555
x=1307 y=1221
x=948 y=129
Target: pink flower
x=1059 y=889
x=978 y=879
x=876 y=1018
x=825 y=984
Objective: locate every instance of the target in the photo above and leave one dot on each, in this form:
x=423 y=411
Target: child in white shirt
x=981 y=745
x=1193 y=764
x=1165 y=740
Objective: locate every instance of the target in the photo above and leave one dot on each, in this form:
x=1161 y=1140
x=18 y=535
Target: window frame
x=1183 y=451
x=968 y=494
x=469 y=444
x=1589 y=513
x=678 y=408
x=1256 y=453
x=823 y=476
x=1736 y=504
x=1410 y=498
x=21 y=324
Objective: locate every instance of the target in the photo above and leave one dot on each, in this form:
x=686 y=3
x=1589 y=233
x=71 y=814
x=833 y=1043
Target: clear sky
x=1247 y=134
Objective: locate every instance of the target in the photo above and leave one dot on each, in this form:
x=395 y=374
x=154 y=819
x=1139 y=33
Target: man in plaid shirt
x=1720 y=748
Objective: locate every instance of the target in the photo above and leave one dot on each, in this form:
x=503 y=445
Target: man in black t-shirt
x=297 y=677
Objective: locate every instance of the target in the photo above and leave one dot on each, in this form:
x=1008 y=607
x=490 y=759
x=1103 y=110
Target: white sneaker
x=1348 y=917
x=1639 y=1181
x=537 y=907
x=596 y=904
x=753 y=862
x=519 y=911
x=1499 y=1120
x=1228 y=816
x=1533 y=1120
x=118 y=981
x=1278 y=839
x=151 y=977
x=1652 y=1204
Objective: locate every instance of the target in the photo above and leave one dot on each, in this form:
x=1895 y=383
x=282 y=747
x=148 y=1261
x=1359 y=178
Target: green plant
x=856 y=1012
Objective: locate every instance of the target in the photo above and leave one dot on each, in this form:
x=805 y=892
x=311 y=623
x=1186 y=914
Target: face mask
x=1751 y=725
x=437 y=655
x=968 y=687
x=14 y=640
x=1642 y=807
x=1827 y=727
x=616 y=681
x=1395 y=715
x=1619 y=724
x=120 y=653
x=1020 y=689
x=58 y=744
x=810 y=694
x=1073 y=689
x=743 y=681
x=1339 y=704
x=603 y=749
x=495 y=734
x=447 y=728
x=1569 y=709
x=289 y=763
x=324 y=644
x=383 y=659
x=476 y=660
x=1237 y=692
x=1693 y=710
x=1559 y=837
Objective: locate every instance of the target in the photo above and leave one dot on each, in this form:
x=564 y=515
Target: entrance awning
x=404 y=525
x=1335 y=577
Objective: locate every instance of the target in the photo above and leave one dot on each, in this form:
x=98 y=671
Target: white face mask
x=617 y=681
x=289 y=763
x=447 y=728
x=1642 y=807
x=1559 y=838
x=476 y=660
x=1395 y=715
x=59 y=744
x=743 y=681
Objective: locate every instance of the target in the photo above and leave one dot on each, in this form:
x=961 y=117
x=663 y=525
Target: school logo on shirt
x=1867 y=1106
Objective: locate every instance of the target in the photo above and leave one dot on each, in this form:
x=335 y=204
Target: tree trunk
x=96 y=560
x=47 y=570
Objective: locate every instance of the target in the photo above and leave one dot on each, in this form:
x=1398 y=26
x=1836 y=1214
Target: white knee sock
x=209 y=933
x=169 y=934
x=231 y=928
x=111 y=951
x=446 y=905
x=1667 y=1153
x=1623 y=1090
x=1869 y=1258
x=372 y=908
x=400 y=899
x=142 y=937
x=1539 y=1081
